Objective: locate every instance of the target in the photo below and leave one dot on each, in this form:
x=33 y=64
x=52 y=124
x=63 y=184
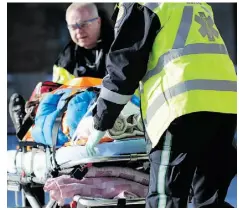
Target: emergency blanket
x=64 y=187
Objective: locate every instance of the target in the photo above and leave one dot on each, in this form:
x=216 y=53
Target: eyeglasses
x=82 y=25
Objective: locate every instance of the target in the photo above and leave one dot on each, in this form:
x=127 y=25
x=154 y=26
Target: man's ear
x=99 y=20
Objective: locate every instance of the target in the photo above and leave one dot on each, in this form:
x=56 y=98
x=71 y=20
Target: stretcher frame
x=16 y=183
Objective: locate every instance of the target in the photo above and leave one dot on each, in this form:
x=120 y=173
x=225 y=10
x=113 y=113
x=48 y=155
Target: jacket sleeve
x=135 y=31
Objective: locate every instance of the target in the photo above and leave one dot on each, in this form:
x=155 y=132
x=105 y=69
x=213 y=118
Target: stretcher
x=36 y=163
x=26 y=183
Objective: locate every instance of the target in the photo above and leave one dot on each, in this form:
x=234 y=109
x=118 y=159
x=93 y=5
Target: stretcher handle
x=99 y=159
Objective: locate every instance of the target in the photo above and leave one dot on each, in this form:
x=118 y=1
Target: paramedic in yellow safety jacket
x=91 y=36
x=174 y=53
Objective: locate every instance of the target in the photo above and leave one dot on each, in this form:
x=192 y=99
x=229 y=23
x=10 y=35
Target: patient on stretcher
x=77 y=103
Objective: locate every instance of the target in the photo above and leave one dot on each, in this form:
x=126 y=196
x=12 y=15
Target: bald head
x=89 y=8
x=84 y=24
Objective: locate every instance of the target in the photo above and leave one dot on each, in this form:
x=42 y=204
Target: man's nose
x=79 y=30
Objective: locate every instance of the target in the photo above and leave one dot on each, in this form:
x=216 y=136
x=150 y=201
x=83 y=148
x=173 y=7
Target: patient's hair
x=91 y=7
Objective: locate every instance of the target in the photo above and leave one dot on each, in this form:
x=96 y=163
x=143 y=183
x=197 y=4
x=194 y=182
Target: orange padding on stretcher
x=82 y=82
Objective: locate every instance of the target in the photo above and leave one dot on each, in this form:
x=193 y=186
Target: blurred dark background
x=36 y=33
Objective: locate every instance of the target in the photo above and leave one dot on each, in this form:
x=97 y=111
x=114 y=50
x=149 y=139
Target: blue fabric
x=135 y=100
x=46 y=108
x=50 y=107
x=77 y=108
x=121 y=147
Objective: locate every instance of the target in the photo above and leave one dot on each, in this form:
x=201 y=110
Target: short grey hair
x=91 y=7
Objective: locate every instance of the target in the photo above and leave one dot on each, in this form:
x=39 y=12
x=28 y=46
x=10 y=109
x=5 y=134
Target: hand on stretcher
x=93 y=140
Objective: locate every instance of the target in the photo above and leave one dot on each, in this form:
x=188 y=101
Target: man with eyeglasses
x=91 y=36
x=84 y=56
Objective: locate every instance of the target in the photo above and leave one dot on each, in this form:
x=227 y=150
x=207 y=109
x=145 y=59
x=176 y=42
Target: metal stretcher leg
x=16 y=199
x=31 y=199
x=51 y=204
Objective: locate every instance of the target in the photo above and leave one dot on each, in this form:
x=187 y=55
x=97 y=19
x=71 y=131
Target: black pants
x=203 y=198
x=197 y=143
